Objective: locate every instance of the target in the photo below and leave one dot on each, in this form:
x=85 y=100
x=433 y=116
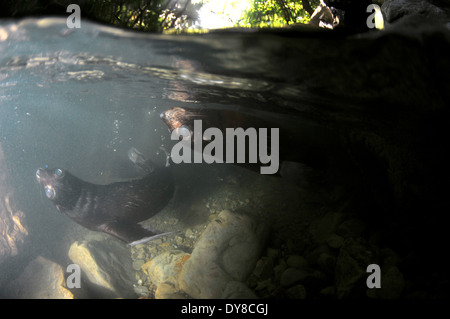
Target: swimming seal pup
x=302 y=139
x=115 y=208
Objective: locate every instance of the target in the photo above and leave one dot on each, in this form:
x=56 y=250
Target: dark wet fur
x=115 y=208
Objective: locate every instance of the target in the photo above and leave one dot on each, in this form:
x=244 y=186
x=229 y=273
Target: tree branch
x=285 y=10
x=307 y=7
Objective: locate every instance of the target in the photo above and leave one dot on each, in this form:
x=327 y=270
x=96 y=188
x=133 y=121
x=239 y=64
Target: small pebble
x=189 y=233
x=137 y=264
x=264 y=268
x=297 y=292
x=335 y=241
x=291 y=276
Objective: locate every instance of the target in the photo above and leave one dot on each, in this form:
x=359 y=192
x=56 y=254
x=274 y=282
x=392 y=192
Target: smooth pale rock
x=141 y=291
x=167 y=291
x=41 y=279
x=166 y=267
x=237 y=290
x=227 y=251
x=203 y=281
x=107 y=266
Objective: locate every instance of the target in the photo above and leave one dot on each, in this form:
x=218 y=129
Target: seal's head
x=177 y=117
x=59 y=185
x=174 y=118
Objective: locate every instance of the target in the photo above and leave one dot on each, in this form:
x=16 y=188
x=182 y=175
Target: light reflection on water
x=79 y=99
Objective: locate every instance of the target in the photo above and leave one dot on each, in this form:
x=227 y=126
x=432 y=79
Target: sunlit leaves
x=148 y=15
x=276 y=13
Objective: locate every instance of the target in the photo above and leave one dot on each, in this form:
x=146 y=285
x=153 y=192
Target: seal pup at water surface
x=115 y=208
x=301 y=140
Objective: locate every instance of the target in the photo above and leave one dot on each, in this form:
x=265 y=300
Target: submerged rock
x=351 y=265
x=237 y=290
x=279 y=269
x=322 y=228
x=392 y=284
x=107 y=267
x=137 y=264
x=297 y=261
x=296 y=292
x=41 y=279
x=397 y=10
x=12 y=229
x=141 y=291
x=351 y=228
x=264 y=268
x=293 y=276
x=335 y=241
x=227 y=251
x=166 y=267
x=167 y=291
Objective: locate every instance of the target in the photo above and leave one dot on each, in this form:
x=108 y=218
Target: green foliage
x=149 y=15
x=163 y=15
x=278 y=13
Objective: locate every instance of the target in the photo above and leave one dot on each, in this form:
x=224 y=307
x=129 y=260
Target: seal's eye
x=59 y=172
x=50 y=192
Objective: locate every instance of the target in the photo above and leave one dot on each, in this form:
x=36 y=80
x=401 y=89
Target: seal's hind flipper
x=146 y=239
x=132 y=234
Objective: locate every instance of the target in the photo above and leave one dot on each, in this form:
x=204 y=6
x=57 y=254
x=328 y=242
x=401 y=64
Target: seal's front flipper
x=139 y=159
x=132 y=234
x=168 y=157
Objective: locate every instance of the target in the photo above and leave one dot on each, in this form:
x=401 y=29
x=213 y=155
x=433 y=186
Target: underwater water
x=79 y=99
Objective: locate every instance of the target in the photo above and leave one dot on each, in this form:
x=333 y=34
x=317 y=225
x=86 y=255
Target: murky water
x=80 y=99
